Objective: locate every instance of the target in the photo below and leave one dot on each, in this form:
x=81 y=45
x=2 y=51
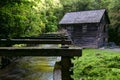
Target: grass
x=97 y=64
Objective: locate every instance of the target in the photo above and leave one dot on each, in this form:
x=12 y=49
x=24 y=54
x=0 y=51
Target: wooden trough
x=64 y=51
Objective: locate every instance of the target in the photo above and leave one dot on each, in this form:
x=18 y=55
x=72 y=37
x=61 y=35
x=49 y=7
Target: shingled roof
x=92 y=16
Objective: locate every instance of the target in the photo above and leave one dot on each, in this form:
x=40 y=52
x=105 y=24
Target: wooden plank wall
x=87 y=39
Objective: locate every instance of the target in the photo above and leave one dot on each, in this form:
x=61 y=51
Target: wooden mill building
x=87 y=29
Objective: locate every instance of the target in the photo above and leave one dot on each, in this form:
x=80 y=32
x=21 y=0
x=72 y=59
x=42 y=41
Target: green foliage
x=27 y=18
x=19 y=20
x=115 y=18
x=48 y=15
x=32 y=17
x=75 y=5
x=97 y=65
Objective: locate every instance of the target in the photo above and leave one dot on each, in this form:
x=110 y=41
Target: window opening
x=84 y=28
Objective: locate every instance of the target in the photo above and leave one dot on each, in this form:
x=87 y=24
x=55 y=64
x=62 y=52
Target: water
x=29 y=68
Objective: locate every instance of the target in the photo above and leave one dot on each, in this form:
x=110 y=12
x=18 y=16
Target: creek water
x=29 y=68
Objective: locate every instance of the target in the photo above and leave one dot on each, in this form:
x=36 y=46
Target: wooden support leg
x=66 y=66
x=4 y=61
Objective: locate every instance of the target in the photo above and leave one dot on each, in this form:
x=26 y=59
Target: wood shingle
x=92 y=16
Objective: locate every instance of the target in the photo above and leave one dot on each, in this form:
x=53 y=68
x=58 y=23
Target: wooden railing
x=64 y=51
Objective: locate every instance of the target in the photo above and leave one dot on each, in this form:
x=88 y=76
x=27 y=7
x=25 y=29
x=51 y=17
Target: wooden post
x=66 y=66
x=5 y=60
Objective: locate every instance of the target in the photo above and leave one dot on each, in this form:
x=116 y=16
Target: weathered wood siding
x=86 y=38
x=102 y=37
x=94 y=36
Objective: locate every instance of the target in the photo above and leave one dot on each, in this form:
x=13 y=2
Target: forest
x=20 y=18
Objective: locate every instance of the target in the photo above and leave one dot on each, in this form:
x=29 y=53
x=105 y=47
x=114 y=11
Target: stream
x=29 y=68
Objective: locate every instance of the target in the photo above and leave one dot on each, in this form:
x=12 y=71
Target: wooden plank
x=43 y=37
x=46 y=36
x=35 y=51
x=34 y=41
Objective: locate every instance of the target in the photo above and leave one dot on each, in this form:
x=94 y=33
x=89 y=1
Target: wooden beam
x=35 y=51
x=44 y=37
x=34 y=41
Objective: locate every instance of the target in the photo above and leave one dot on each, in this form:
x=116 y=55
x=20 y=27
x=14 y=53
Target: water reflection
x=29 y=68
